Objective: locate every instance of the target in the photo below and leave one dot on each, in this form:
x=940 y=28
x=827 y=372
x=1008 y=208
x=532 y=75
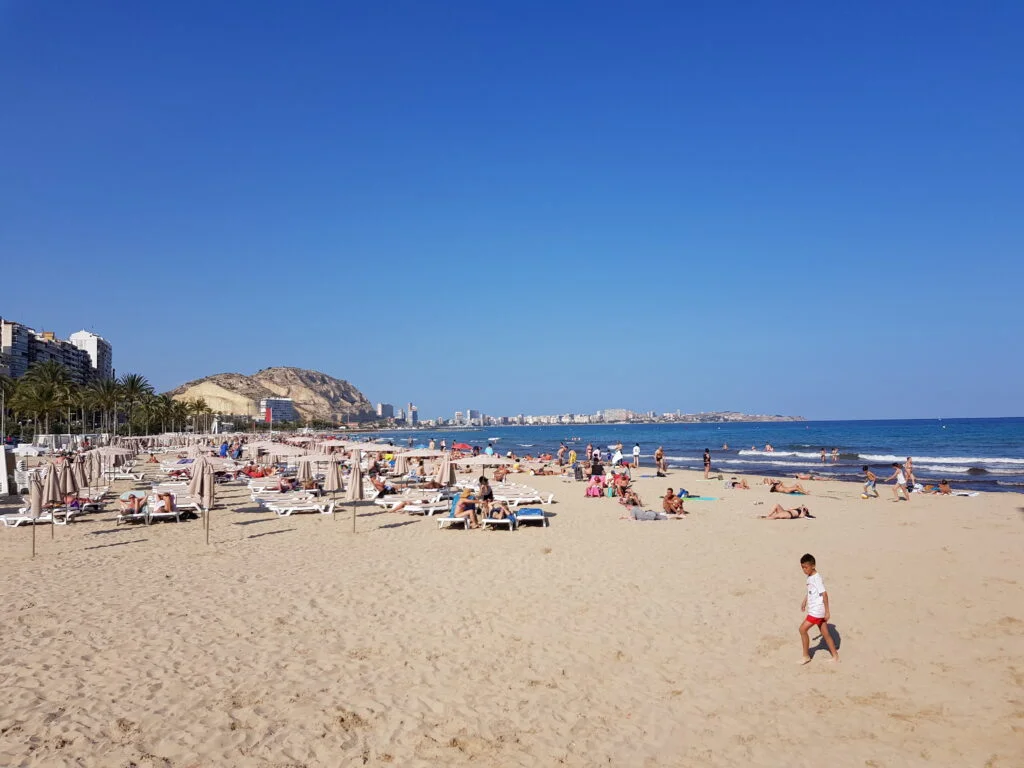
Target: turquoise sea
x=978 y=454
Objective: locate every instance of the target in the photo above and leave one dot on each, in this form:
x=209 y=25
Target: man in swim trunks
x=659 y=461
x=672 y=504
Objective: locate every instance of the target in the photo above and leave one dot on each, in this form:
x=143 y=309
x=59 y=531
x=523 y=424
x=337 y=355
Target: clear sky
x=529 y=206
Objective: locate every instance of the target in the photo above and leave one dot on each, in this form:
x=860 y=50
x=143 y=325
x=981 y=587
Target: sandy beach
x=595 y=641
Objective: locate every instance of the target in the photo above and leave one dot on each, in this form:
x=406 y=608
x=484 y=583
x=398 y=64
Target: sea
x=973 y=454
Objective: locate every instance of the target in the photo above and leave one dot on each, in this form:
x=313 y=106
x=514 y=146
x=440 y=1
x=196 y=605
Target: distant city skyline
x=539 y=207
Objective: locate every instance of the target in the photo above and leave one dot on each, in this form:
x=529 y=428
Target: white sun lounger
x=47 y=516
x=495 y=522
x=289 y=508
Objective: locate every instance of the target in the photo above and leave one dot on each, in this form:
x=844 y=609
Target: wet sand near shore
x=292 y=641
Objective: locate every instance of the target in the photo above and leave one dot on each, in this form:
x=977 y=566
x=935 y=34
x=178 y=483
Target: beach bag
x=577 y=472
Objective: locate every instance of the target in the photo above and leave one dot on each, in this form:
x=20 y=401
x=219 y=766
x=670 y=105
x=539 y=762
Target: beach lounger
x=47 y=516
x=496 y=522
x=531 y=515
x=450 y=519
x=288 y=508
x=118 y=474
x=135 y=517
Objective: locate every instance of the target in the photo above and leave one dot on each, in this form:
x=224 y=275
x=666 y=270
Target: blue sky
x=529 y=207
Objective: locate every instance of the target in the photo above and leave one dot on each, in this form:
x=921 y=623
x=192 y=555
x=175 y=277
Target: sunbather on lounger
x=780 y=513
x=133 y=504
x=383 y=489
x=500 y=511
x=164 y=502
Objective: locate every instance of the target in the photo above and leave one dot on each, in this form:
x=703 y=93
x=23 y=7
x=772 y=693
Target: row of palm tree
x=46 y=396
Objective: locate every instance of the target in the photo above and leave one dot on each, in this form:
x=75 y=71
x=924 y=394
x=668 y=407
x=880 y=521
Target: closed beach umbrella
x=35 y=504
x=445 y=471
x=209 y=494
x=401 y=464
x=78 y=470
x=52 y=494
x=305 y=472
x=195 y=485
x=68 y=482
x=333 y=482
x=94 y=467
x=35 y=495
x=355 y=486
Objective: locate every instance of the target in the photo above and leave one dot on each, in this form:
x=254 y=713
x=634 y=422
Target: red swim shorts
x=815 y=620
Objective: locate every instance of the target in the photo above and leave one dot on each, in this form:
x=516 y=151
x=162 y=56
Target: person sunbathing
x=672 y=504
x=630 y=499
x=74 y=501
x=781 y=513
x=152 y=459
x=500 y=511
x=777 y=486
x=734 y=483
x=164 y=502
x=501 y=473
x=646 y=515
x=383 y=489
x=133 y=504
x=286 y=484
x=944 y=488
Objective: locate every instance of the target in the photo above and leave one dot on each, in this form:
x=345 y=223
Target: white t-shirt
x=815 y=601
x=636 y=450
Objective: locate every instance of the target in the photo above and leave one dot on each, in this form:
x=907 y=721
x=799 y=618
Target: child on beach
x=870 y=479
x=901 y=482
x=816 y=610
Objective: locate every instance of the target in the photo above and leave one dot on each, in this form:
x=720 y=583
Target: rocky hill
x=316 y=395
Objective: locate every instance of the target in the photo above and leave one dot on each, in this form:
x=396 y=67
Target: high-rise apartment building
x=100 y=353
x=385 y=410
x=86 y=357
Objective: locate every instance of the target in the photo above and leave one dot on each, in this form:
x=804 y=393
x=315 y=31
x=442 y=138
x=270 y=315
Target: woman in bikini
x=777 y=486
x=781 y=513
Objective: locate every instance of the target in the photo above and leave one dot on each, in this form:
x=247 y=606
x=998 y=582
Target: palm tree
x=179 y=414
x=38 y=399
x=134 y=391
x=70 y=398
x=197 y=408
x=50 y=372
x=104 y=396
x=163 y=410
x=8 y=387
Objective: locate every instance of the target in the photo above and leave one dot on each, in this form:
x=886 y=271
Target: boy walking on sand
x=816 y=610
